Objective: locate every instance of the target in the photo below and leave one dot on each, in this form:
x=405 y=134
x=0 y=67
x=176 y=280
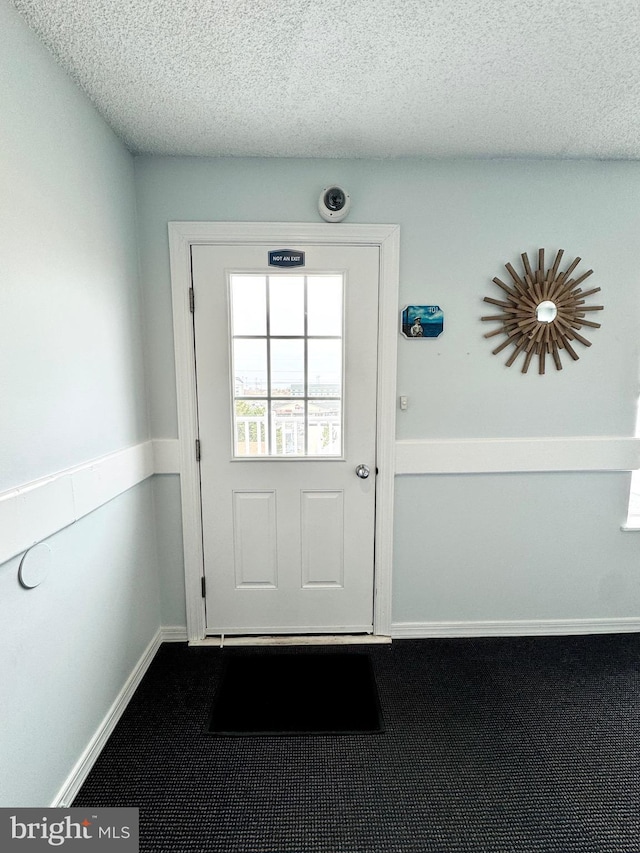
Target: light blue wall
x=72 y=389
x=70 y=308
x=70 y=645
x=467 y=547
x=478 y=547
x=166 y=494
x=460 y=222
x=514 y=547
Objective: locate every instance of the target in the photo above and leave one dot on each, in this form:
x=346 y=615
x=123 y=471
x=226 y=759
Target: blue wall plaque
x=286 y=258
x=422 y=321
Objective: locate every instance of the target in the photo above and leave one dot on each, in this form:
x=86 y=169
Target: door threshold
x=290 y=640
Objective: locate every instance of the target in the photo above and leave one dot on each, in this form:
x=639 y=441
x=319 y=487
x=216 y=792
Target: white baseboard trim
x=174 y=634
x=291 y=640
x=514 y=628
x=399 y=630
x=90 y=755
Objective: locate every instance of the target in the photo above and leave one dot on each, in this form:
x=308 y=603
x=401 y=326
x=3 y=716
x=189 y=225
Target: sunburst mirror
x=542 y=312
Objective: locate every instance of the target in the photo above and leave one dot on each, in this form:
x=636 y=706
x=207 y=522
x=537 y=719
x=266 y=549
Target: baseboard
x=514 y=628
x=294 y=640
x=399 y=630
x=88 y=758
x=173 y=634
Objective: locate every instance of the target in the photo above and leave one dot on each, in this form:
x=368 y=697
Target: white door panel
x=255 y=553
x=322 y=538
x=286 y=411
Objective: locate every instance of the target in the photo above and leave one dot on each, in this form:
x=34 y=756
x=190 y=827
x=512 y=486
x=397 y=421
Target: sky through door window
x=287 y=362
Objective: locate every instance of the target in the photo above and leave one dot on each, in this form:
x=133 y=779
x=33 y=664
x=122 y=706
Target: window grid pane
x=300 y=375
x=251 y=428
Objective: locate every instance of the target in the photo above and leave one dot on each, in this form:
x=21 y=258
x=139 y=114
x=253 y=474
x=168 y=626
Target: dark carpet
x=285 y=694
x=491 y=746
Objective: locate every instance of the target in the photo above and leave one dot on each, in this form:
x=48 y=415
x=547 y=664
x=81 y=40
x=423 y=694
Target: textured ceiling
x=356 y=78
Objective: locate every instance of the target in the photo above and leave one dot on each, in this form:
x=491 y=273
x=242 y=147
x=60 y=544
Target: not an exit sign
x=286 y=258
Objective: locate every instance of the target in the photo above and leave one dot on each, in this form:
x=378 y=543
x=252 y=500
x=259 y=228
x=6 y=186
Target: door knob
x=362 y=471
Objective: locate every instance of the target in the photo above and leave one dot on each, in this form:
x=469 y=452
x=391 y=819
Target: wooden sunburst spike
x=542 y=312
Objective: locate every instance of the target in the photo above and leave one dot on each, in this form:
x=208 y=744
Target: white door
x=286 y=362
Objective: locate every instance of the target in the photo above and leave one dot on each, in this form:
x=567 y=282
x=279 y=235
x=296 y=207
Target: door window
x=287 y=364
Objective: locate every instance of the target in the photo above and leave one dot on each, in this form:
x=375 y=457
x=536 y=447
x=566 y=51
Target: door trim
x=182 y=235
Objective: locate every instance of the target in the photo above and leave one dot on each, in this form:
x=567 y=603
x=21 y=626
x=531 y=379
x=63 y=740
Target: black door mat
x=301 y=694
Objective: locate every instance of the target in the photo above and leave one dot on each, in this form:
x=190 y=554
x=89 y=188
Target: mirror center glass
x=546 y=312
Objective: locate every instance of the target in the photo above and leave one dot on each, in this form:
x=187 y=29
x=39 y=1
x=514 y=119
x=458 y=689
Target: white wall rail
x=508 y=455
x=32 y=512
x=39 y=509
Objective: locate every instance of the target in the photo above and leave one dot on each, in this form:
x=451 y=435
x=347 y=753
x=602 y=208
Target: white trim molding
x=221 y=641
x=173 y=634
x=505 y=455
x=36 y=510
x=83 y=765
x=513 y=628
x=182 y=235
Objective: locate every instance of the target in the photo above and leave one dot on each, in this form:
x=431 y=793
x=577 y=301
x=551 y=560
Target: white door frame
x=182 y=235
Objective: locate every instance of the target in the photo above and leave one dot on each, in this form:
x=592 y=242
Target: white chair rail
x=36 y=510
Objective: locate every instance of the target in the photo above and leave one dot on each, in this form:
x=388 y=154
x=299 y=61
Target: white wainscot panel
x=322 y=538
x=254 y=538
